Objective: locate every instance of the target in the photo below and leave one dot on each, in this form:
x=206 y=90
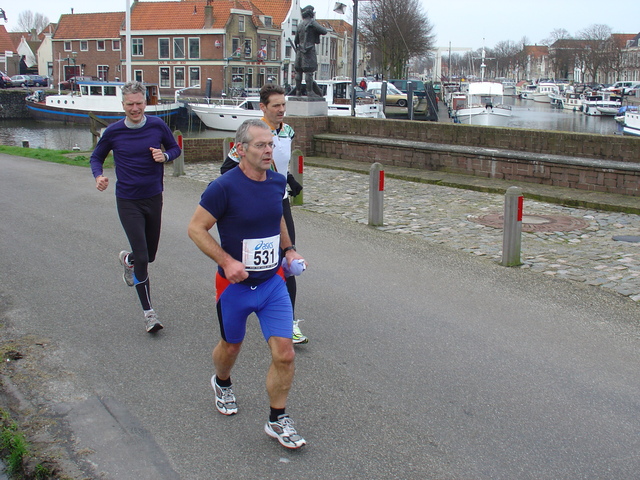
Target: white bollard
x=512 y=235
x=376 y=194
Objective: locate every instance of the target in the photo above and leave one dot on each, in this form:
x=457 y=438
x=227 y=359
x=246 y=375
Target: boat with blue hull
x=102 y=100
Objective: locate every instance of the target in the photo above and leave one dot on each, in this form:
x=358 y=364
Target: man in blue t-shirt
x=246 y=206
x=136 y=143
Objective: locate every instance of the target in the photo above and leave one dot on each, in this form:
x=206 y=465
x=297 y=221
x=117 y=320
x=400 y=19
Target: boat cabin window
x=339 y=90
x=110 y=90
x=96 y=90
x=84 y=89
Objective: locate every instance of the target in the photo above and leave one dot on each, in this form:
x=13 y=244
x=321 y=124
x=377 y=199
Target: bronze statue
x=307 y=36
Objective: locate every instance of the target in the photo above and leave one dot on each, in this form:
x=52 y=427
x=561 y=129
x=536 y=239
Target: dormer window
x=268 y=22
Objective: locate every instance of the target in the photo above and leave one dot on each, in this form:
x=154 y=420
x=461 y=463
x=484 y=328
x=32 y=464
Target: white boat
x=567 y=100
x=543 y=92
x=95 y=98
x=483 y=106
x=602 y=103
x=222 y=115
x=219 y=115
x=631 y=123
x=526 y=91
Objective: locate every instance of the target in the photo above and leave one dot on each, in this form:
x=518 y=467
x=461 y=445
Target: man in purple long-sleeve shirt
x=136 y=143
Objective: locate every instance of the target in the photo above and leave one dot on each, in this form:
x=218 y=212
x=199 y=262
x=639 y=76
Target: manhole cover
x=536 y=223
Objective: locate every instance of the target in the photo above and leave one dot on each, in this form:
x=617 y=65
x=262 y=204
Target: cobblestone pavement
x=453 y=216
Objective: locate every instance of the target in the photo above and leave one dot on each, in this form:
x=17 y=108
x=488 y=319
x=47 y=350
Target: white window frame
x=104 y=45
x=194 y=40
x=168 y=45
x=193 y=82
x=179 y=83
x=84 y=45
x=138 y=75
x=160 y=80
x=67 y=46
x=137 y=42
x=176 y=43
x=116 y=45
x=241 y=20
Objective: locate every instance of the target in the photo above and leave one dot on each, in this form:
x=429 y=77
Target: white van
x=623 y=87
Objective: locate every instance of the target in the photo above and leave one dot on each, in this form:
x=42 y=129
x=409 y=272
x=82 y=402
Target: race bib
x=260 y=253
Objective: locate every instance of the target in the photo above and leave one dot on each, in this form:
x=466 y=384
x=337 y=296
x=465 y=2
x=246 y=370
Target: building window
x=67 y=46
x=287 y=51
x=103 y=72
x=235 y=47
x=194 y=48
x=84 y=46
x=165 y=77
x=100 y=45
x=137 y=47
x=178 y=48
x=272 y=74
x=241 y=23
x=274 y=54
x=178 y=77
x=237 y=77
x=247 y=48
x=268 y=22
x=194 y=76
x=115 y=45
x=163 y=48
x=294 y=26
x=137 y=75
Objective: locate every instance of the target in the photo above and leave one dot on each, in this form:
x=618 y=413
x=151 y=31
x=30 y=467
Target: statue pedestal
x=307 y=107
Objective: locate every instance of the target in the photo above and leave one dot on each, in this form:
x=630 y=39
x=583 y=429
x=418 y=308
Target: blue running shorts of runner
x=269 y=300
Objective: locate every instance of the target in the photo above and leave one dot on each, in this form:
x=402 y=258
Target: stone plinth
x=307 y=107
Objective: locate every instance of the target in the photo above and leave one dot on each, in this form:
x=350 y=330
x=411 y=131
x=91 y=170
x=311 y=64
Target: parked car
x=394 y=96
x=5 y=80
x=419 y=90
x=622 y=87
x=39 y=80
x=360 y=93
x=22 y=81
x=72 y=81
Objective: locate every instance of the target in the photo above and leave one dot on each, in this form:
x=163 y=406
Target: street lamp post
x=354 y=66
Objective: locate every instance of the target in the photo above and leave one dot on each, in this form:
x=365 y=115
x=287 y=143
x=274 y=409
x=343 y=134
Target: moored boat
x=483 y=105
x=543 y=92
x=602 y=103
x=631 y=122
x=219 y=115
x=95 y=98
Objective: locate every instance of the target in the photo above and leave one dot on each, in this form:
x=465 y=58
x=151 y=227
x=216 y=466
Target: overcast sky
x=463 y=23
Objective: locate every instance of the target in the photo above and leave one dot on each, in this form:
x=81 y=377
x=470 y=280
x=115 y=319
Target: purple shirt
x=138 y=175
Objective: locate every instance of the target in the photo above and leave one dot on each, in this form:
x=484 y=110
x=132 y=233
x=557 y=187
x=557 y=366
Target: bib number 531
x=260 y=254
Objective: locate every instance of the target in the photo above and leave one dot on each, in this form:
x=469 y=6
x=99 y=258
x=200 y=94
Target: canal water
x=526 y=114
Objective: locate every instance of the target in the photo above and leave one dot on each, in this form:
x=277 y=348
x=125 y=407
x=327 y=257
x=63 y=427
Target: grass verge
x=14 y=449
x=65 y=157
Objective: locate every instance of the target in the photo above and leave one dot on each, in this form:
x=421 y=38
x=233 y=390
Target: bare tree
x=27 y=20
x=555 y=35
x=396 y=30
x=596 y=53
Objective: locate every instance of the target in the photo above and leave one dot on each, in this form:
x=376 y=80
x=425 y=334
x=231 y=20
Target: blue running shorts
x=270 y=302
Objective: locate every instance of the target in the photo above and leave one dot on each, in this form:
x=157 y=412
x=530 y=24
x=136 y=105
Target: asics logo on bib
x=264 y=246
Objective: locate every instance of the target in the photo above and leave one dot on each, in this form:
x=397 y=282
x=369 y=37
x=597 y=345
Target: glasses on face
x=261 y=146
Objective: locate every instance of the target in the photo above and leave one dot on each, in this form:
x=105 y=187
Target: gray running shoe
x=127 y=276
x=152 y=323
x=225 y=399
x=284 y=431
x=298 y=337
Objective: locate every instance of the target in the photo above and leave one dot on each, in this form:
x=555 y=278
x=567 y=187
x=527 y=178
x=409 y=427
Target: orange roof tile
x=6 y=44
x=276 y=9
x=536 y=50
x=89 y=25
x=338 y=26
x=183 y=15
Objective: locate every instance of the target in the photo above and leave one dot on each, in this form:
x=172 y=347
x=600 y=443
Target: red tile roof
x=536 y=51
x=6 y=43
x=338 y=26
x=183 y=15
x=89 y=25
x=276 y=9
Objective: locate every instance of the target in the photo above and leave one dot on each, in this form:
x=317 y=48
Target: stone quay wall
x=602 y=163
x=12 y=104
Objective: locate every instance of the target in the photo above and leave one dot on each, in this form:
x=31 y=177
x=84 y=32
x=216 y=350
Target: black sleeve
x=227 y=165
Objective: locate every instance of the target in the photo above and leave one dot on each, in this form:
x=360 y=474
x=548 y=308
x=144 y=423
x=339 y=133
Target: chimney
x=208 y=15
x=34 y=35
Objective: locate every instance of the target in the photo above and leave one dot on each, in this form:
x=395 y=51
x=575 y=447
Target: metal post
x=376 y=194
x=178 y=163
x=296 y=167
x=227 y=145
x=512 y=239
x=354 y=57
x=410 y=99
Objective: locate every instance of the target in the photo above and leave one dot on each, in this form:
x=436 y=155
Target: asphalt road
x=423 y=362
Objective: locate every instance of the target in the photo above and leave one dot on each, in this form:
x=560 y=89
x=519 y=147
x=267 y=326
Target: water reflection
x=526 y=114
